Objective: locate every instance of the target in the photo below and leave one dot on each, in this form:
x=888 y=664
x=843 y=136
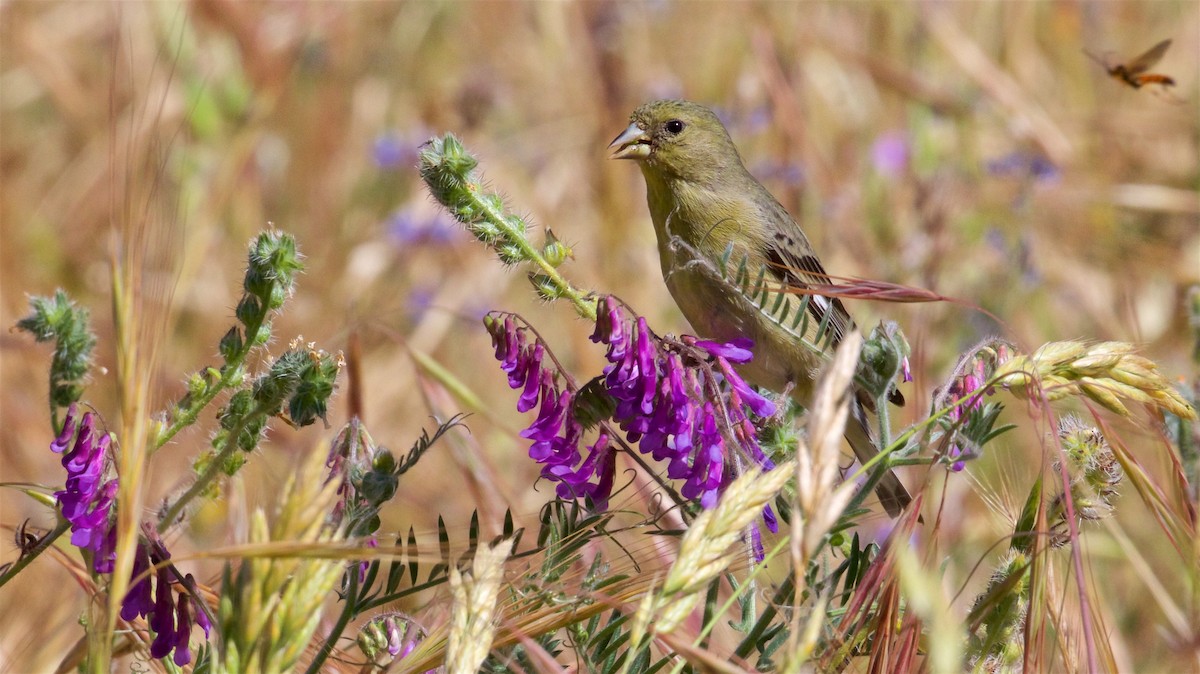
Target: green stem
x=583 y=305
x=349 y=610
x=210 y=472
x=231 y=371
x=781 y=598
x=883 y=416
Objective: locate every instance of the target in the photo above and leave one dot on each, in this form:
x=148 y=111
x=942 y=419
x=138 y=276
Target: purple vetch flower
x=577 y=483
x=162 y=617
x=969 y=384
x=533 y=380
x=202 y=615
x=610 y=329
x=86 y=500
x=396 y=633
x=757 y=402
x=183 y=633
x=139 y=600
x=737 y=351
x=680 y=401
x=170 y=617
x=68 y=431
x=703 y=476
x=756 y=544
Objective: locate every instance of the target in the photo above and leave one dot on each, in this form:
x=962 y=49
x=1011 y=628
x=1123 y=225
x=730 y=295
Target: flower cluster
x=169 y=616
x=969 y=421
x=87 y=502
x=680 y=401
x=395 y=633
x=86 y=499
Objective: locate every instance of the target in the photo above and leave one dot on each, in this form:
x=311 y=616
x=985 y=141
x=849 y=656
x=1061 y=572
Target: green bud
x=510 y=253
x=231 y=344
x=249 y=310
x=881 y=358
x=378 y=487
x=233 y=463
x=263 y=334
x=486 y=232
x=545 y=286
x=467 y=211
x=383 y=460
x=516 y=224
x=278 y=297
x=556 y=252
x=371 y=640
x=197 y=384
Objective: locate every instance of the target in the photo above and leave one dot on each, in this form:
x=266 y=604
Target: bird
x=706 y=208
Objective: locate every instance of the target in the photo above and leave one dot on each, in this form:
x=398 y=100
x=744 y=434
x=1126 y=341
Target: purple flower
x=889 y=154
x=162 y=618
x=170 y=617
x=85 y=501
x=736 y=351
x=678 y=413
x=758 y=403
x=68 y=431
x=531 y=373
x=577 y=483
x=967 y=387
x=183 y=633
x=201 y=615
x=397 y=633
x=139 y=601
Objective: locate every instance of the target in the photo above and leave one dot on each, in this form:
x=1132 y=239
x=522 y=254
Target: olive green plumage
x=707 y=207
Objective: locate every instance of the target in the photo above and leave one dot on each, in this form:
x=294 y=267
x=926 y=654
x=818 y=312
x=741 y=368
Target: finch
x=707 y=208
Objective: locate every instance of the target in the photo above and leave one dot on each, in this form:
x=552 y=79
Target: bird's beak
x=633 y=143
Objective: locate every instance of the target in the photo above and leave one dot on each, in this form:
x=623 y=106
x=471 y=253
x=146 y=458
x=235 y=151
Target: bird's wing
x=791 y=259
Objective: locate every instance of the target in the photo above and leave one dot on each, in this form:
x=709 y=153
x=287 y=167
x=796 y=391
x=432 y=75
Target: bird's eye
x=674 y=126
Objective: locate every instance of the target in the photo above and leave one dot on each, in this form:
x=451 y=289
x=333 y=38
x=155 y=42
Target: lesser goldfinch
x=708 y=209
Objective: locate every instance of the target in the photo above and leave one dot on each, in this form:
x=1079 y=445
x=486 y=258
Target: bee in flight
x=1134 y=73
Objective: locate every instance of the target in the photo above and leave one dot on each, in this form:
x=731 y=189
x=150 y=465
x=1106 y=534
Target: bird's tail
x=892 y=494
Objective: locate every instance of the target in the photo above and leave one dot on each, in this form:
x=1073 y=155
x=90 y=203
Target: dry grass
x=203 y=121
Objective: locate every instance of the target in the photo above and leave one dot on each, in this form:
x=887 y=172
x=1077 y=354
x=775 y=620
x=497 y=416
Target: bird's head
x=678 y=139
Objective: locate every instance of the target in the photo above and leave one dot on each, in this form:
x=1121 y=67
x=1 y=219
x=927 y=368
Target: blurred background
x=973 y=149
